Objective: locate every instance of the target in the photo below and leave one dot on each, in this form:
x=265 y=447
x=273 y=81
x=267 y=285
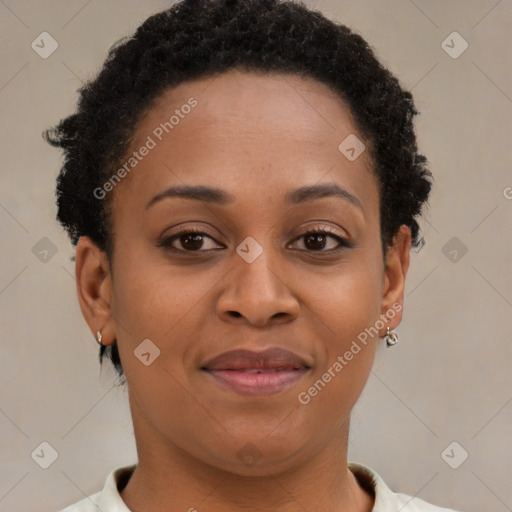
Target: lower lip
x=254 y=384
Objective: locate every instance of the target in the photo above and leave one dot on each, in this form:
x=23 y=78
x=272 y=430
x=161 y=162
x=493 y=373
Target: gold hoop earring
x=391 y=338
x=99 y=337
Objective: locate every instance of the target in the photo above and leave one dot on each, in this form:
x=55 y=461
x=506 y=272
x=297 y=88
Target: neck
x=171 y=480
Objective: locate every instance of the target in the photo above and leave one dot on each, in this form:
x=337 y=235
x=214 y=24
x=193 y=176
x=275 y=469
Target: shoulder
x=109 y=499
x=411 y=504
x=88 y=504
x=385 y=499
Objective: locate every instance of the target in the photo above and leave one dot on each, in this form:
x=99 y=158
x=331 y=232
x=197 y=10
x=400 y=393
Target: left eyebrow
x=309 y=193
x=221 y=197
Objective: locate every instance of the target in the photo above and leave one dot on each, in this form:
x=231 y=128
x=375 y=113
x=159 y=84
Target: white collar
x=109 y=499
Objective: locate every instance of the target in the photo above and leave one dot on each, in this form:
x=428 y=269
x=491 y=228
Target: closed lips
x=270 y=360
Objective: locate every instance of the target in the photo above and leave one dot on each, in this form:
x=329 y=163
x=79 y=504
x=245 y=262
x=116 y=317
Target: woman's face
x=251 y=280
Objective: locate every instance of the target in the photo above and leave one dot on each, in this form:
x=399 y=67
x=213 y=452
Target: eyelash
x=166 y=242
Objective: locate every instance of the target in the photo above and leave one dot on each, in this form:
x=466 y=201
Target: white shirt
x=109 y=500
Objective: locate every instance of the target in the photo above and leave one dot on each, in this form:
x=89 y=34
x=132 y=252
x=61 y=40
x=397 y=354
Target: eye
x=193 y=240
x=317 y=240
x=190 y=239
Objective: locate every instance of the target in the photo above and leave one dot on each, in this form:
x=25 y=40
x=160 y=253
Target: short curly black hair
x=201 y=38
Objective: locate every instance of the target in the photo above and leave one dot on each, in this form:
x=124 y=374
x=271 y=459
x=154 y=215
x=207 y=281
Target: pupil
x=197 y=242
x=318 y=237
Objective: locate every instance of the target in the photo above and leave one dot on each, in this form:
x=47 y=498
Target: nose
x=257 y=294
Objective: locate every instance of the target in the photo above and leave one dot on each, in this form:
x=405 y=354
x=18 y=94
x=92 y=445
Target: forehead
x=248 y=131
x=237 y=100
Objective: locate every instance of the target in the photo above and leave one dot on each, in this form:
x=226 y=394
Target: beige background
x=449 y=377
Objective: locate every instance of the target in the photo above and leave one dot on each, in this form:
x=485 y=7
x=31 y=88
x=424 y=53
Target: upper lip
x=269 y=359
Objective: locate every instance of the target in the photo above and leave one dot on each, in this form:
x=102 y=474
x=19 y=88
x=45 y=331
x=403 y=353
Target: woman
x=242 y=182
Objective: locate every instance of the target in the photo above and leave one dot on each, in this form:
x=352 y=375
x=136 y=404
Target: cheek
x=151 y=298
x=344 y=302
x=344 y=312
x=166 y=305
x=153 y=301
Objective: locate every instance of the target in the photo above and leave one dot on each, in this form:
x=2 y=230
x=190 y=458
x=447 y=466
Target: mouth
x=257 y=373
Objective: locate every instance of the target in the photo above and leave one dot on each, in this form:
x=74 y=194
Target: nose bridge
x=256 y=291
x=258 y=274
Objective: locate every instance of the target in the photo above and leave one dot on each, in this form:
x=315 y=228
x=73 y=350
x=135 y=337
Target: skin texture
x=256 y=136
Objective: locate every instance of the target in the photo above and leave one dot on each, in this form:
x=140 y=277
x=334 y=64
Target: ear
x=94 y=288
x=395 y=271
